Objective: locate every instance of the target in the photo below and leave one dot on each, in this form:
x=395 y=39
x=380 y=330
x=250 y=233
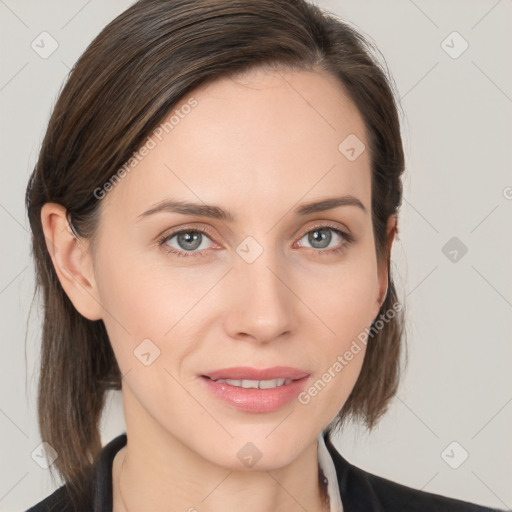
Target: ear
x=72 y=261
x=383 y=267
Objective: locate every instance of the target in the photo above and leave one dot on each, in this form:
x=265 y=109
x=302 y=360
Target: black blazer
x=360 y=491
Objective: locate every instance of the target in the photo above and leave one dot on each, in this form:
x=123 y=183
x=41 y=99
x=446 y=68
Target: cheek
x=344 y=305
x=147 y=301
x=345 y=308
x=343 y=298
x=149 y=332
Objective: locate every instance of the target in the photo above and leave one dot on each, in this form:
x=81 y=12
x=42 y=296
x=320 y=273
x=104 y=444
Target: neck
x=138 y=499
x=157 y=472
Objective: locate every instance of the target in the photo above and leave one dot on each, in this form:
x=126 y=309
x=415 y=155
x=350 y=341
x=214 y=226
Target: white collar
x=326 y=463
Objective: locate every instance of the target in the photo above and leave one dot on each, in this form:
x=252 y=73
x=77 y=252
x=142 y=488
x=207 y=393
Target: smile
x=256 y=384
x=263 y=395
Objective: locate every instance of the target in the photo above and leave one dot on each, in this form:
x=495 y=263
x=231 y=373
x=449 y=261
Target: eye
x=322 y=236
x=191 y=243
x=187 y=240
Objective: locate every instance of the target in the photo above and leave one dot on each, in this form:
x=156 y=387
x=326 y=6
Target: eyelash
x=348 y=239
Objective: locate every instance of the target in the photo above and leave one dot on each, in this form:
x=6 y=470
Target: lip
x=248 y=373
x=256 y=400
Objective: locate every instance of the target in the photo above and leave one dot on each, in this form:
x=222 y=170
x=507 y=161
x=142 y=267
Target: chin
x=254 y=449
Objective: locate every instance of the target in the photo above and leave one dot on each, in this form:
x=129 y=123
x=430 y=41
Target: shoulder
x=363 y=491
x=98 y=486
x=58 y=501
x=397 y=497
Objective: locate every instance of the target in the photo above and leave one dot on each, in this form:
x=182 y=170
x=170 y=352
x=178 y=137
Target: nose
x=262 y=306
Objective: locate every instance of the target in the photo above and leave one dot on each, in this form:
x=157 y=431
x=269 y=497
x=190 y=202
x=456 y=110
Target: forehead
x=251 y=142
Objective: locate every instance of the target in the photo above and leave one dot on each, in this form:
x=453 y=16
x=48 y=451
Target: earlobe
x=72 y=261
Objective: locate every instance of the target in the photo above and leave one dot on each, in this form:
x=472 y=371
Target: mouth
x=255 y=390
x=254 y=374
x=254 y=384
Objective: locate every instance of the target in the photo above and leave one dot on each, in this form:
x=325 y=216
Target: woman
x=213 y=212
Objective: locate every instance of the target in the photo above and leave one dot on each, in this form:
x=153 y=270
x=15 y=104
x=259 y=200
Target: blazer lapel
x=357 y=494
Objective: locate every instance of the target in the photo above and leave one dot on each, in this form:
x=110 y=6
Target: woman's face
x=268 y=286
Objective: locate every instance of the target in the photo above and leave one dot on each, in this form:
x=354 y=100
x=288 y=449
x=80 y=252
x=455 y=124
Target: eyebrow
x=216 y=212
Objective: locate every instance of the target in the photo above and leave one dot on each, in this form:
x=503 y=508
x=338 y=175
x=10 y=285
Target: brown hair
x=119 y=90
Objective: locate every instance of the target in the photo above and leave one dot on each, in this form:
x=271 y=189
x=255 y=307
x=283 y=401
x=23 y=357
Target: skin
x=258 y=146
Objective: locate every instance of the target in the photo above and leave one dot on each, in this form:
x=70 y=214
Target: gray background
x=457 y=136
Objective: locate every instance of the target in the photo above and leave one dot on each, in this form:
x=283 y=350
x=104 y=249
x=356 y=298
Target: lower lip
x=256 y=400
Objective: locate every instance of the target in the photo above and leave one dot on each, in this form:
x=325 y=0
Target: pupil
x=188 y=241
x=319 y=236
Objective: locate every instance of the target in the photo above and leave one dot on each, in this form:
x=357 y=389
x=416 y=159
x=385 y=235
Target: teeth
x=256 y=384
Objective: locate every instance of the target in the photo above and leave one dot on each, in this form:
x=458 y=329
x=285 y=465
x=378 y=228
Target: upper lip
x=248 y=373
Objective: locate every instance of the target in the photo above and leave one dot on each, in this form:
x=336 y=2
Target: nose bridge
x=262 y=300
x=259 y=268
